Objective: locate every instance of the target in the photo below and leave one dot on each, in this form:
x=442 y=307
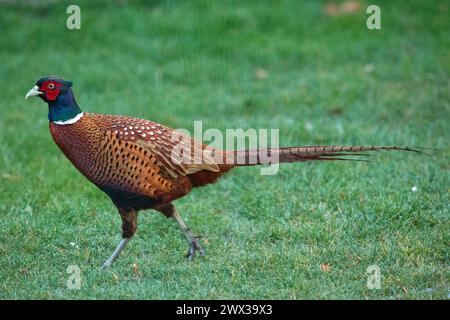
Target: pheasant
x=130 y=159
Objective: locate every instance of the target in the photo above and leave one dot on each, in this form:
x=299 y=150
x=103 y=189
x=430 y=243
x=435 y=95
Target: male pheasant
x=130 y=158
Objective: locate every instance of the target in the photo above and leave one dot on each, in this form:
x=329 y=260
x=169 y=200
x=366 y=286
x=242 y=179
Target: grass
x=329 y=80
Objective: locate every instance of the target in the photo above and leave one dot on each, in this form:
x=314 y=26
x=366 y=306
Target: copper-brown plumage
x=130 y=159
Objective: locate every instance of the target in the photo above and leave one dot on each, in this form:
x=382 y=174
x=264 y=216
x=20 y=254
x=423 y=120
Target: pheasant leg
x=129 y=225
x=194 y=244
x=122 y=244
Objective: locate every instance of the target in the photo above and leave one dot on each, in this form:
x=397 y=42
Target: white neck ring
x=70 y=121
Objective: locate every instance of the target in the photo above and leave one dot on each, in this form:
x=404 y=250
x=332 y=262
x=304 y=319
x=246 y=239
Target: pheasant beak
x=33 y=92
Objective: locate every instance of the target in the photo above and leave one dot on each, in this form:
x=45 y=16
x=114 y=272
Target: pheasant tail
x=307 y=153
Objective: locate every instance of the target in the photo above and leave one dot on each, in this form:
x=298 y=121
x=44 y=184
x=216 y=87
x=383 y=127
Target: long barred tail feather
x=311 y=153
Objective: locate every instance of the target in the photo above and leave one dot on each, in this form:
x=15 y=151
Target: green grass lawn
x=320 y=79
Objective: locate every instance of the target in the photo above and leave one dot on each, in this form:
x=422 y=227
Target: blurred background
x=310 y=68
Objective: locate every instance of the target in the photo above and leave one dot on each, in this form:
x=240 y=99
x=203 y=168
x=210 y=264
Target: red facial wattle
x=51 y=90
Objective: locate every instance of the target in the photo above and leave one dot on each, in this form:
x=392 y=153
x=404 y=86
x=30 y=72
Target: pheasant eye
x=51 y=86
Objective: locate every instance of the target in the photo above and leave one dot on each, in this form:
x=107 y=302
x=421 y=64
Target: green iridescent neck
x=64 y=108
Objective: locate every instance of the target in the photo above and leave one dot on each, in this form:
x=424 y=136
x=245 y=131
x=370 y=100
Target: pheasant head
x=59 y=96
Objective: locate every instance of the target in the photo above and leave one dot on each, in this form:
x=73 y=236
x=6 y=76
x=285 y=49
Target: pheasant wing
x=177 y=154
